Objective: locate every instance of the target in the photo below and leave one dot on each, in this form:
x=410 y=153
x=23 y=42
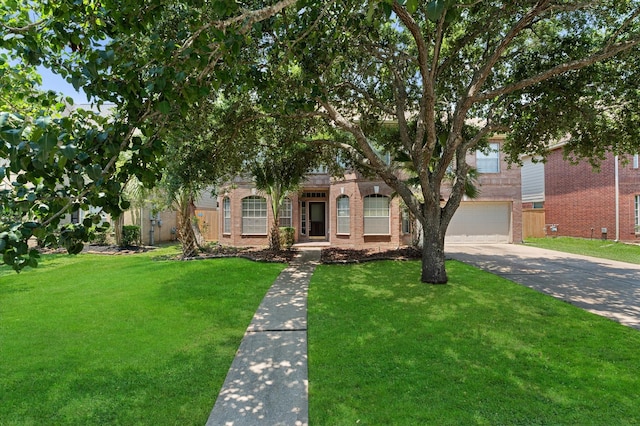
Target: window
x=285 y=213
x=75 y=216
x=376 y=215
x=406 y=224
x=637 y=212
x=303 y=218
x=635 y=161
x=344 y=216
x=320 y=170
x=314 y=195
x=488 y=161
x=254 y=215
x=226 y=215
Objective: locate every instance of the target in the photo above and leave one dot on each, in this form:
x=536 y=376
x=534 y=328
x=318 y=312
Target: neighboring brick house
x=353 y=211
x=581 y=202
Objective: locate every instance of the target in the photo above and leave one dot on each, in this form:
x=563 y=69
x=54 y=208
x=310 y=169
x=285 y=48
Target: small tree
x=277 y=173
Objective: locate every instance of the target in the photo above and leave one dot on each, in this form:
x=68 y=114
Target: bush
x=287 y=237
x=100 y=238
x=130 y=235
x=100 y=235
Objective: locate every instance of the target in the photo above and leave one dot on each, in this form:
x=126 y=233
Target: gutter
x=617 y=185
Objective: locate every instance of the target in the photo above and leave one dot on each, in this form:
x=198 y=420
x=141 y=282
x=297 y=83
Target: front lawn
x=134 y=339
x=605 y=249
x=481 y=350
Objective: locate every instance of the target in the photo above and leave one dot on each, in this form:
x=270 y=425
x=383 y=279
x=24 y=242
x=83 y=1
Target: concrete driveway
x=604 y=287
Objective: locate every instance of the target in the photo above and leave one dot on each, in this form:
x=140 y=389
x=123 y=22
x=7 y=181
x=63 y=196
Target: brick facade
x=322 y=190
x=504 y=186
x=582 y=201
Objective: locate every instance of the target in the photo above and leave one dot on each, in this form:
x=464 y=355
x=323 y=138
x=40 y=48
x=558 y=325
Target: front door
x=317 y=219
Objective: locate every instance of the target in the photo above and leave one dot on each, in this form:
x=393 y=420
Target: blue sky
x=51 y=81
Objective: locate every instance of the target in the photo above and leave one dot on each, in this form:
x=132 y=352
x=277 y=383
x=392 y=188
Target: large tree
x=152 y=59
x=449 y=74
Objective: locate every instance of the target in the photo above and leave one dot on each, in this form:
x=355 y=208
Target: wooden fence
x=208 y=223
x=533 y=222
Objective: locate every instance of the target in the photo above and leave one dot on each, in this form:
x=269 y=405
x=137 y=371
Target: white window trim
x=303 y=218
x=494 y=149
x=405 y=217
x=265 y=217
x=364 y=216
x=348 y=216
x=286 y=207
x=637 y=214
x=226 y=209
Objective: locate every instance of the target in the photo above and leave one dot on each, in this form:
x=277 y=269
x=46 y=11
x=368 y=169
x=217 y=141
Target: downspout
x=617 y=183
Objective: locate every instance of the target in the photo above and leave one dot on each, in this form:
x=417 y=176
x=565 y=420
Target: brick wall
x=581 y=201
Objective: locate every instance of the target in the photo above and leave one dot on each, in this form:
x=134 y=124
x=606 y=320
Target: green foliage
x=101 y=237
x=130 y=235
x=287 y=237
x=481 y=350
x=449 y=75
x=155 y=62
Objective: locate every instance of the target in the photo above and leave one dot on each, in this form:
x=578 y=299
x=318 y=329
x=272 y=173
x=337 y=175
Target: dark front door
x=316 y=217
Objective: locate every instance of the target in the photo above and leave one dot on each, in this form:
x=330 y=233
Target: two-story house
x=356 y=212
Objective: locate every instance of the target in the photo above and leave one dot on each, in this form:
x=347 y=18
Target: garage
x=480 y=222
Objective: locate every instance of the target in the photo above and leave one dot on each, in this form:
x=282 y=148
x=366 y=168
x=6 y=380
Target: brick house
x=581 y=202
x=356 y=212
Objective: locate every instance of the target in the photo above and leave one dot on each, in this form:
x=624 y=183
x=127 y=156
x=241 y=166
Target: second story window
x=488 y=160
x=320 y=170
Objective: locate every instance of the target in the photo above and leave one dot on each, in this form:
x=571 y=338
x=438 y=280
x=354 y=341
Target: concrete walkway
x=604 y=287
x=267 y=383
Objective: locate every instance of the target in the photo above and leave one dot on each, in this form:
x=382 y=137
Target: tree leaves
x=434 y=9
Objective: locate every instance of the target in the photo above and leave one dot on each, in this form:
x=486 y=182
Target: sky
x=51 y=81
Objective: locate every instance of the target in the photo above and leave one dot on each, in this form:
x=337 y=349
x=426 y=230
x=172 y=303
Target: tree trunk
x=118 y=224
x=187 y=238
x=274 y=237
x=186 y=234
x=433 y=260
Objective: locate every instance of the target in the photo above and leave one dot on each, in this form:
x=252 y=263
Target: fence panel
x=208 y=223
x=533 y=223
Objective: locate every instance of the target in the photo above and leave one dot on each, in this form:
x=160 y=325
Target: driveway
x=604 y=287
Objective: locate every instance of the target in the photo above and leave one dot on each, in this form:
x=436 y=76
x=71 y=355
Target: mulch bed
x=258 y=255
x=339 y=255
x=328 y=255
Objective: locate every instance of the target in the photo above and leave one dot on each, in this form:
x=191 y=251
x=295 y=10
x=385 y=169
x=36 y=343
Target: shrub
x=130 y=235
x=287 y=237
x=100 y=235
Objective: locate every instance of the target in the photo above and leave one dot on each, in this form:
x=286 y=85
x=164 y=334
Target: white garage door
x=480 y=222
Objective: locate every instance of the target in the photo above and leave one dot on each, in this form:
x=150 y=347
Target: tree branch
x=607 y=53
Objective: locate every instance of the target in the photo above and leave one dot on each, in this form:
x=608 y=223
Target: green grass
x=605 y=249
x=481 y=350
x=130 y=339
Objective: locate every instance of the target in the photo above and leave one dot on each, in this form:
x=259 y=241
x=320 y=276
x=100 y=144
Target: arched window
x=226 y=214
x=344 y=215
x=286 y=213
x=254 y=215
x=376 y=215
